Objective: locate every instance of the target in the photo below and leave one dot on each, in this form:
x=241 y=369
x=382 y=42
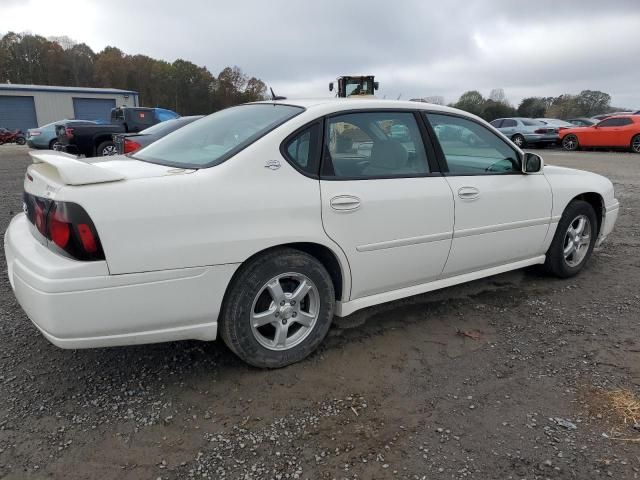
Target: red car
x=619 y=131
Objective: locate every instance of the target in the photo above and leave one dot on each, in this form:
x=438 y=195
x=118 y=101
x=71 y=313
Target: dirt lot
x=542 y=385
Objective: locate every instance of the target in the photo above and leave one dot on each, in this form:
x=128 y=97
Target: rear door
x=384 y=201
x=501 y=214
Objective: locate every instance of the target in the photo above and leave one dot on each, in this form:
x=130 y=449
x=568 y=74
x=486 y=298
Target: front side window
x=213 y=139
x=374 y=145
x=470 y=148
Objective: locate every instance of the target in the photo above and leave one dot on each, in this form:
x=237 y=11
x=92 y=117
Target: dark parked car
x=97 y=140
x=130 y=142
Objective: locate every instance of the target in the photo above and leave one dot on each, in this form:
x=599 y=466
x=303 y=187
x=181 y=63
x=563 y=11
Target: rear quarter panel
x=218 y=215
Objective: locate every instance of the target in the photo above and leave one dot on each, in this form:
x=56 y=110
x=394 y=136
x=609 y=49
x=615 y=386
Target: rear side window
x=533 y=123
x=497 y=123
x=373 y=145
x=509 y=123
x=302 y=150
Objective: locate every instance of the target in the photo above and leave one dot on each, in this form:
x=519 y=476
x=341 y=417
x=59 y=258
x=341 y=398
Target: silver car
x=527 y=131
x=44 y=138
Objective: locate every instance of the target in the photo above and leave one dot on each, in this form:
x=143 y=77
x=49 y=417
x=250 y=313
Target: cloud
x=414 y=47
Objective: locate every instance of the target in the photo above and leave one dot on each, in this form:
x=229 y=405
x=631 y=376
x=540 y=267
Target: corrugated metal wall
x=54 y=106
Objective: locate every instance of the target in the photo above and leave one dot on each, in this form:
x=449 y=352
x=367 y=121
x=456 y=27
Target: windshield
x=217 y=137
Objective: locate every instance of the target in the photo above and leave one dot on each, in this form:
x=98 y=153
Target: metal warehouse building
x=30 y=106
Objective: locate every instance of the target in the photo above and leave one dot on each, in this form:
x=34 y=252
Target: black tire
x=235 y=323
x=52 y=144
x=556 y=263
x=570 y=143
x=106 y=146
x=635 y=144
x=519 y=140
x=21 y=140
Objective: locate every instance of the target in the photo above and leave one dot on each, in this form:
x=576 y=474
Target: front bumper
x=609 y=221
x=80 y=305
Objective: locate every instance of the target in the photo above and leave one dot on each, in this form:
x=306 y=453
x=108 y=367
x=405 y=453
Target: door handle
x=468 y=193
x=345 y=203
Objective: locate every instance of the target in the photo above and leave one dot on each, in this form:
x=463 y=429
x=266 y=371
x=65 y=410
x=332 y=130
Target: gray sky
x=415 y=48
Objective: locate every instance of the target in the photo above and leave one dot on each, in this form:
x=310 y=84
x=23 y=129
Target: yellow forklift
x=355 y=86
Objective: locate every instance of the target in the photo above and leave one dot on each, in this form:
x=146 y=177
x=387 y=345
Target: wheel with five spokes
x=278 y=309
x=573 y=241
x=635 y=144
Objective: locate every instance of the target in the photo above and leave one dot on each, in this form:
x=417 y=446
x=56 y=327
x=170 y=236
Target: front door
x=382 y=202
x=501 y=214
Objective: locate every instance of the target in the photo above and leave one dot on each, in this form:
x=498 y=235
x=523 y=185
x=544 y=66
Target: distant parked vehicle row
x=620 y=131
x=582 y=122
x=97 y=140
x=130 y=142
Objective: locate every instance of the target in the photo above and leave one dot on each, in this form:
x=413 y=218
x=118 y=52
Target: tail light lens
x=34 y=133
x=130 y=146
x=68 y=132
x=64 y=227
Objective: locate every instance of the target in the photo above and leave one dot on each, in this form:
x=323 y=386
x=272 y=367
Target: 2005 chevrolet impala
x=265 y=220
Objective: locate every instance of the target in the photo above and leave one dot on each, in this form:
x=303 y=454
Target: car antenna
x=274 y=96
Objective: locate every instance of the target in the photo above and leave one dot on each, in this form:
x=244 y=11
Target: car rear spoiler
x=74 y=171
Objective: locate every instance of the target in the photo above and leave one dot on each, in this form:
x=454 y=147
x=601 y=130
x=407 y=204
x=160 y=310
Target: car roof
x=339 y=104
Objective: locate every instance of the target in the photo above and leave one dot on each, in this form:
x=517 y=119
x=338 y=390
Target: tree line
x=182 y=86
x=585 y=104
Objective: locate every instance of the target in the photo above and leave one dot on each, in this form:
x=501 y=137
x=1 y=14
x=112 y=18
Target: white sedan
x=263 y=221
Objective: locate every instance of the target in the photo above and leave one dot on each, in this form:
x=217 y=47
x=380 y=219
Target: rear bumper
x=80 y=305
x=539 y=138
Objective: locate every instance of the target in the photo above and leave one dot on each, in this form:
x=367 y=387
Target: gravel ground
x=510 y=377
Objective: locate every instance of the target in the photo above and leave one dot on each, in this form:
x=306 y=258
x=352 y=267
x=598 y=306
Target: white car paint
x=173 y=237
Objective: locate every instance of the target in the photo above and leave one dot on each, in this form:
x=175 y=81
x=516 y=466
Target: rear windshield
x=532 y=123
x=163 y=128
x=217 y=137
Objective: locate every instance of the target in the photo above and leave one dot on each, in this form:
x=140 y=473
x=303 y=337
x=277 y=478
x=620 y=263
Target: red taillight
x=87 y=238
x=131 y=146
x=64 y=227
x=68 y=132
x=34 y=133
x=59 y=228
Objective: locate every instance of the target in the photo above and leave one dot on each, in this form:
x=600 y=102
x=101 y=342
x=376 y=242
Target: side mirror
x=532 y=163
x=376 y=85
x=331 y=86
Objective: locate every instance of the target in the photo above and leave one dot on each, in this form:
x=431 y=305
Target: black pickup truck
x=96 y=140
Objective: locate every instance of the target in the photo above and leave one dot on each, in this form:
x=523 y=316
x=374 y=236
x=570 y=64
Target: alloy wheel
x=570 y=142
x=285 y=311
x=635 y=144
x=577 y=240
x=109 y=150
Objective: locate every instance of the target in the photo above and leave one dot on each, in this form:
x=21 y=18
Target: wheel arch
x=596 y=201
x=335 y=265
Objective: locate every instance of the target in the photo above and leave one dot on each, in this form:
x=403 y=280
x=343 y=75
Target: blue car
x=527 y=131
x=44 y=138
